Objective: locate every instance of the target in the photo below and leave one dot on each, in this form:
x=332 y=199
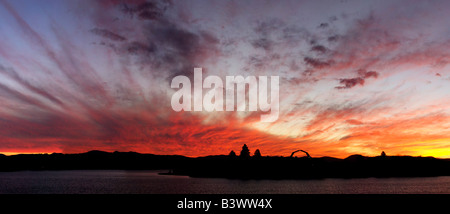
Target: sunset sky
x=356 y=77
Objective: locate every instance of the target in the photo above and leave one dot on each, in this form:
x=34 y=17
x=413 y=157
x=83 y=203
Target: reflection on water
x=117 y=181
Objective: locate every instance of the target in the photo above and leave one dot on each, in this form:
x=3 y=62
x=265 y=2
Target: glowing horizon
x=355 y=77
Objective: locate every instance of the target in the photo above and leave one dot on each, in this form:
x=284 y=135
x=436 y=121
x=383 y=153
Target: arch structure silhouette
x=307 y=154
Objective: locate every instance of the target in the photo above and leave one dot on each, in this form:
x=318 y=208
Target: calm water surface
x=118 y=182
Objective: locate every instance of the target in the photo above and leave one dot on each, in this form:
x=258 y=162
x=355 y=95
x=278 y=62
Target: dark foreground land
x=355 y=166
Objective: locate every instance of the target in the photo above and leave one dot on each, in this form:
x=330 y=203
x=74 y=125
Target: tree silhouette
x=383 y=154
x=257 y=153
x=245 y=152
x=232 y=154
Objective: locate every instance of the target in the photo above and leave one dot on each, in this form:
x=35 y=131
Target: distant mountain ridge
x=224 y=166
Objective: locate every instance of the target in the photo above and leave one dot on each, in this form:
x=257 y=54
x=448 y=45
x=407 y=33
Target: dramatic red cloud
x=85 y=75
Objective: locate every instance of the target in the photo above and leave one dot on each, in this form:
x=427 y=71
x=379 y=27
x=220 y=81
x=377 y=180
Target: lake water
x=149 y=182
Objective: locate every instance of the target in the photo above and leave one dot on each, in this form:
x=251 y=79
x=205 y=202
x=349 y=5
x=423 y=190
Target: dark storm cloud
x=319 y=48
x=316 y=63
x=269 y=26
x=152 y=15
x=333 y=38
x=266 y=32
x=181 y=41
x=368 y=74
x=150 y=10
x=166 y=44
x=178 y=47
x=350 y=83
x=107 y=34
x=323 y=25
x=263 y=43
x=308 y=72
x=138 y=48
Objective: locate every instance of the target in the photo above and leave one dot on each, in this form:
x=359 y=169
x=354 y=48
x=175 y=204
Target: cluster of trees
x=245 y=152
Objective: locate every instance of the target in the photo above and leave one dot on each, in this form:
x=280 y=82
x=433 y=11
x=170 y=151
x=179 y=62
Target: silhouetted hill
x=89 y=160
x=356 y=157
x=236 y=167
x=313 y=168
